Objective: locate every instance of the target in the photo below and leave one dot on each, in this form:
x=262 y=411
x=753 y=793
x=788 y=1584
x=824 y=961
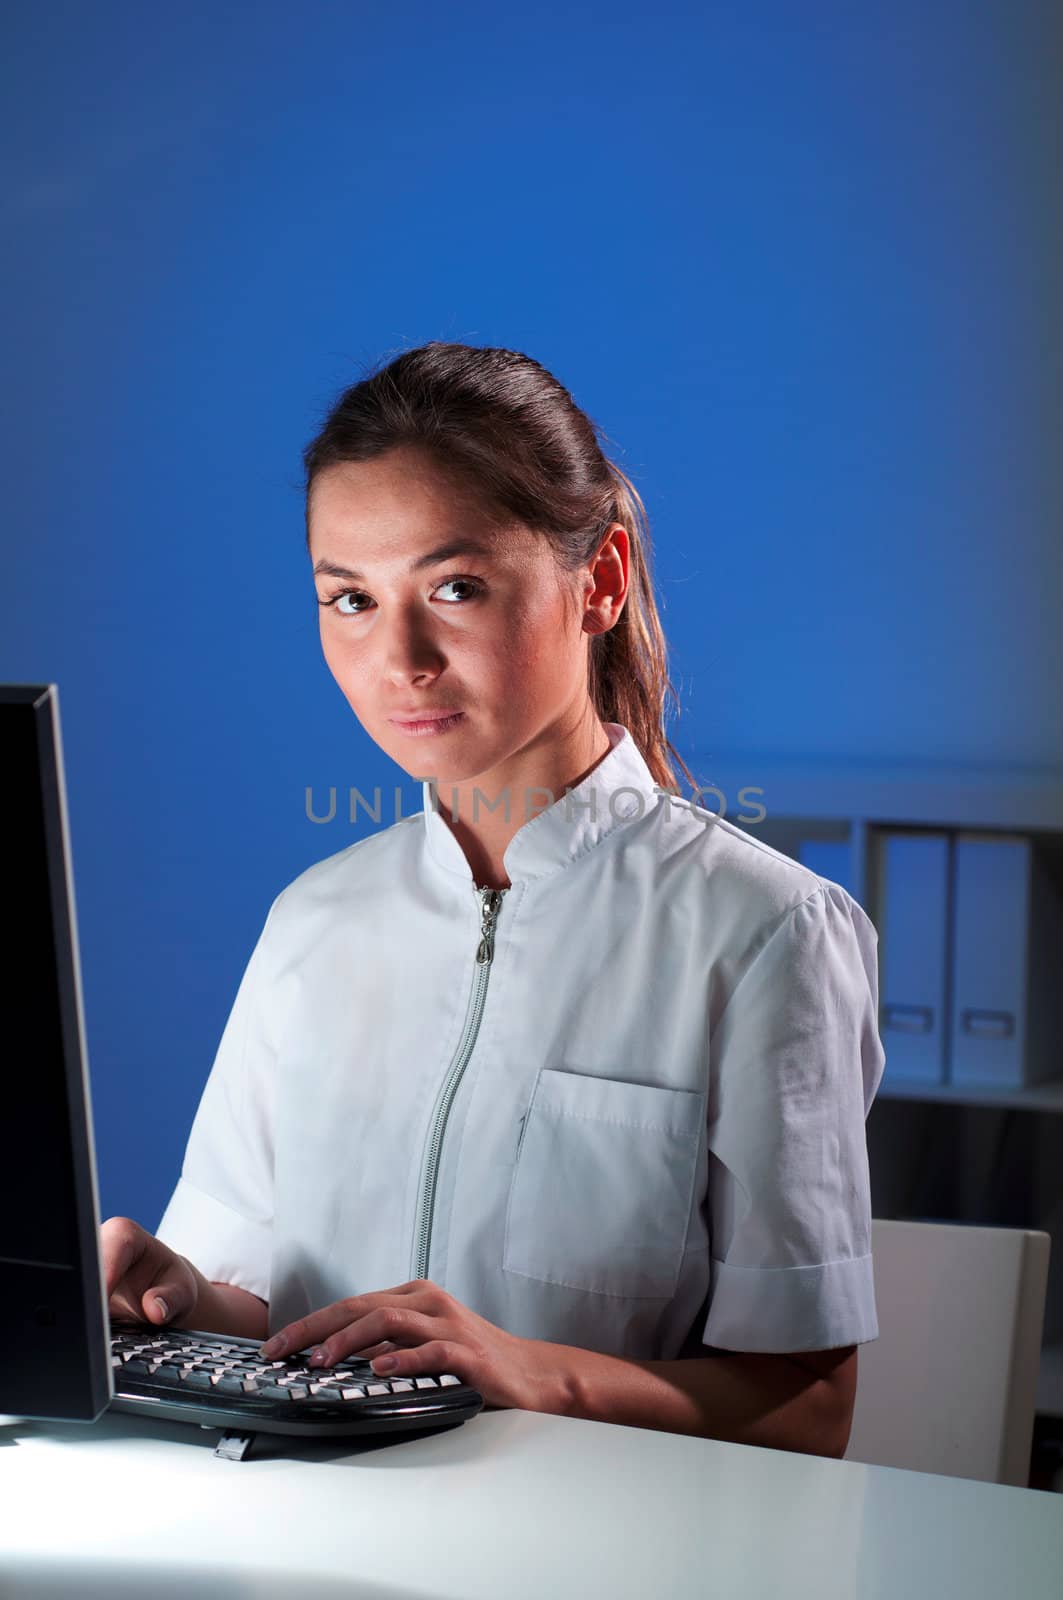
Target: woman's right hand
x=137 y=1267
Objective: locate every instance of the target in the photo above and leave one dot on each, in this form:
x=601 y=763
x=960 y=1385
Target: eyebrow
x=444 y=552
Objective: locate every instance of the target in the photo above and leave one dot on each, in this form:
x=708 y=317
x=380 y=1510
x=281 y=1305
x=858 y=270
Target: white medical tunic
x=630 y=1118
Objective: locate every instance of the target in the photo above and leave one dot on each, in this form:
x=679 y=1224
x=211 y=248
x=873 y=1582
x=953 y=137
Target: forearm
x=223 y=1308
x=738 y=1397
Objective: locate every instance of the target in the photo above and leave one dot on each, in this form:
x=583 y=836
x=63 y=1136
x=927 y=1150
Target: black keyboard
x=218 y=1380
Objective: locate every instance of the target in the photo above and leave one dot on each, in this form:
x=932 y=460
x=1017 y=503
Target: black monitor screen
x=54 y=1345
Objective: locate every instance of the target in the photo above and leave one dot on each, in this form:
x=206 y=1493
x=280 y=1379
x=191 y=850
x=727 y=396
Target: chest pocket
x=600 y=1196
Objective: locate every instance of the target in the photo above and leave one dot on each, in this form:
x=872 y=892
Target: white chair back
x=950 y=1384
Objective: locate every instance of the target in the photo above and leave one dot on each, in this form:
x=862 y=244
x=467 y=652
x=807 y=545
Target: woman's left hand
x=423 y=1329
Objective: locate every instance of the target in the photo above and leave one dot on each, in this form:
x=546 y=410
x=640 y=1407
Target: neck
x=516 y=787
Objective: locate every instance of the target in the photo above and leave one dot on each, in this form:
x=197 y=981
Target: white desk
x=512 y=1505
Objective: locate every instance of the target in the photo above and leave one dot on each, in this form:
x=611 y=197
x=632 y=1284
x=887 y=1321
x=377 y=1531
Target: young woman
x=559 y=1084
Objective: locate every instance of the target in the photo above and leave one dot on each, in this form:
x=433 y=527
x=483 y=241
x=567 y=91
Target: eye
x=336 y=600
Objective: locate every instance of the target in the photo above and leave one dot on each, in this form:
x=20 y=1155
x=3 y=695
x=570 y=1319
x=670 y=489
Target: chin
x=422 y=758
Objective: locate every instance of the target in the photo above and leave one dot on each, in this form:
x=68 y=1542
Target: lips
x=424 y=716
x=435 y=727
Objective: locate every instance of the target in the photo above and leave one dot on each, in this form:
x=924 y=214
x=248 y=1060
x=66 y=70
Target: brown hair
x=502 y=423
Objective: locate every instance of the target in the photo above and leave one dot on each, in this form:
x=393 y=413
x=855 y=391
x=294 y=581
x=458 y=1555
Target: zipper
x=490 y=906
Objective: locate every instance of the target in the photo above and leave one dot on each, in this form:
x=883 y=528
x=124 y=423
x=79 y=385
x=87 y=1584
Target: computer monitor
x=56 y=1332
x=55 y=1356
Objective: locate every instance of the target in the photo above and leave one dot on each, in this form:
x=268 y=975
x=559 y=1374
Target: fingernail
x=384 y=1364
x=272 y=1347
x=317 y=1357
x=163 y=1307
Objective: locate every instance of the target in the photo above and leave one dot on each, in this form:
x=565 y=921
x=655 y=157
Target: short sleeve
x=220 y=1214
x=795 y=1062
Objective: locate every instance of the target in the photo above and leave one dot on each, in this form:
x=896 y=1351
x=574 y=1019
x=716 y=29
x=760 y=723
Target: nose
x=408 y=649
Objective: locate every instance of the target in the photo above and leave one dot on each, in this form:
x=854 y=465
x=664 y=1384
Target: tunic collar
x=619 y=790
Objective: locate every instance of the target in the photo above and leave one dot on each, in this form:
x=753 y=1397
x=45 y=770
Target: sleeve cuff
x=225 y=1246
x=777 y=1310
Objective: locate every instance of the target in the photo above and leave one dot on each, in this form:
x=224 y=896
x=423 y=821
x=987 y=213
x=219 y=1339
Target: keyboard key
x=276 y=1391
x=448 y=1378
x=229 y=1386
x=377 y=1388
x=353 y=1392
x=198 y=1380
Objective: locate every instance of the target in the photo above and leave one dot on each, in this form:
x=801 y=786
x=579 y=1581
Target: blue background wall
x=798 y=261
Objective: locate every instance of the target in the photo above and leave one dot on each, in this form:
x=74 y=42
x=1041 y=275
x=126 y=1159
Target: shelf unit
x=942 y=1153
